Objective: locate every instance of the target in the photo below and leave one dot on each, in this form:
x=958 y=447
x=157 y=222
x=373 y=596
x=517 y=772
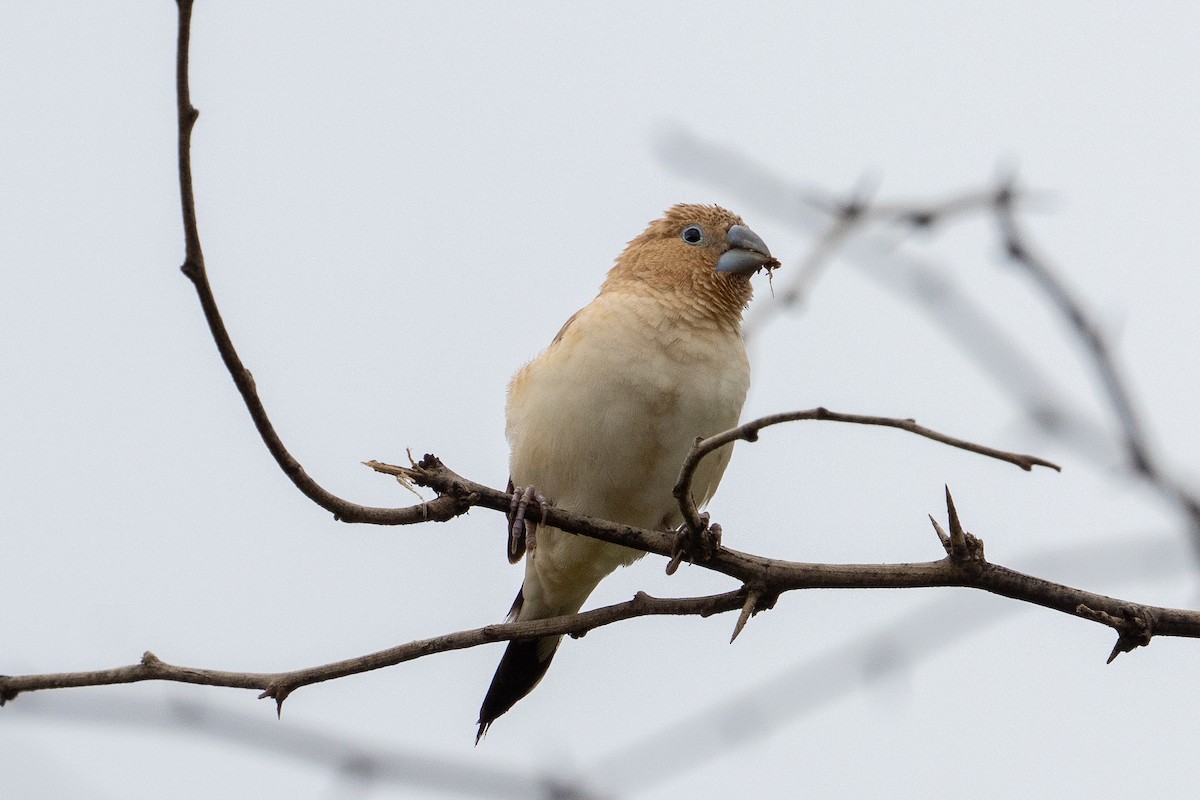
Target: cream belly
x=602 y=432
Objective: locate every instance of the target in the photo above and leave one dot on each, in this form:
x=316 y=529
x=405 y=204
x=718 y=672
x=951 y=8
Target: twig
x=749 y=432
x=939 y=297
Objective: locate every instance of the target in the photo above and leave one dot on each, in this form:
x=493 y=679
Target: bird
x=600 y=422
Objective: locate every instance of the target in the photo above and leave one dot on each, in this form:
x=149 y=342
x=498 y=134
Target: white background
x=382 y=189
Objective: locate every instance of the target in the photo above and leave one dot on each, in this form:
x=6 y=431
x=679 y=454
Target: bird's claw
x=694 y=546
x=521 y=530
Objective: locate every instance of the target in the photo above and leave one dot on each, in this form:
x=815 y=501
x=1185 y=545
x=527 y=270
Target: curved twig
x=748 y=431
x=193 y=267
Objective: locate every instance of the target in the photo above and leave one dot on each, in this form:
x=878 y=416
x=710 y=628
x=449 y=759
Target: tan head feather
x=684 y=273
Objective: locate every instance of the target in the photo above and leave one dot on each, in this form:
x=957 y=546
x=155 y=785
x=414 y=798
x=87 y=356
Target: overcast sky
x=382 y=186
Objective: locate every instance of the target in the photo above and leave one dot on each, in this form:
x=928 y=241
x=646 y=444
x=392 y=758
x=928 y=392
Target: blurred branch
x=851 y=217
x=932 y=290
x=350 y=757
x=1022 y=253
x=1141 y=459
x=845 y=219
x=840 y=228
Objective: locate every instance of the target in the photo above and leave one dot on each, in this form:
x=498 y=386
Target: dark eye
x=692 y=234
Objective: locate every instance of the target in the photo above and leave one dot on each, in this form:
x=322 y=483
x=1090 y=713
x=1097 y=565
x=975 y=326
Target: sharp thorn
x=747 y=612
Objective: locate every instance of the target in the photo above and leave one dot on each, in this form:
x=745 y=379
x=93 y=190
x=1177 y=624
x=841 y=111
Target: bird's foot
x=522 y=531
x=694 y=546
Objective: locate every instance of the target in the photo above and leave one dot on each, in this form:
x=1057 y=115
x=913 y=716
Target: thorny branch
x=964 y=565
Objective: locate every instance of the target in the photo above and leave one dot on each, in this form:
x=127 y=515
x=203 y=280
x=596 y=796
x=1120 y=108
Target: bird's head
x=703 y=255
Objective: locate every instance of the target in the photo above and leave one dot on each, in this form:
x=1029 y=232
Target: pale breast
x=602 y=420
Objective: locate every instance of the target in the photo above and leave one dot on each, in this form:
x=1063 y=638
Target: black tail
x=519 y=671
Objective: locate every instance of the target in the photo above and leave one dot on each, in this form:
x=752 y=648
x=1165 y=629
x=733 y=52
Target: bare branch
x=658 y=755
x=279 y=685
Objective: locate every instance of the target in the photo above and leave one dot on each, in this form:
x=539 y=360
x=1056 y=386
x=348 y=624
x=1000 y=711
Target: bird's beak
x=747 y=253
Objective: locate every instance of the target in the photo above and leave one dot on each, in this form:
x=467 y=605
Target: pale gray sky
x=381 y=186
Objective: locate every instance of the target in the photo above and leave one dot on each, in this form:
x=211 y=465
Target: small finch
x=601 y=421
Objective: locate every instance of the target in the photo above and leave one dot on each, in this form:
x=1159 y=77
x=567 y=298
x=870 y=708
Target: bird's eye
x=692 y=234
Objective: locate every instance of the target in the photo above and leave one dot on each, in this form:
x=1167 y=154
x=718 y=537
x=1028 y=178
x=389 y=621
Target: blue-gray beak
x=747 y=253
